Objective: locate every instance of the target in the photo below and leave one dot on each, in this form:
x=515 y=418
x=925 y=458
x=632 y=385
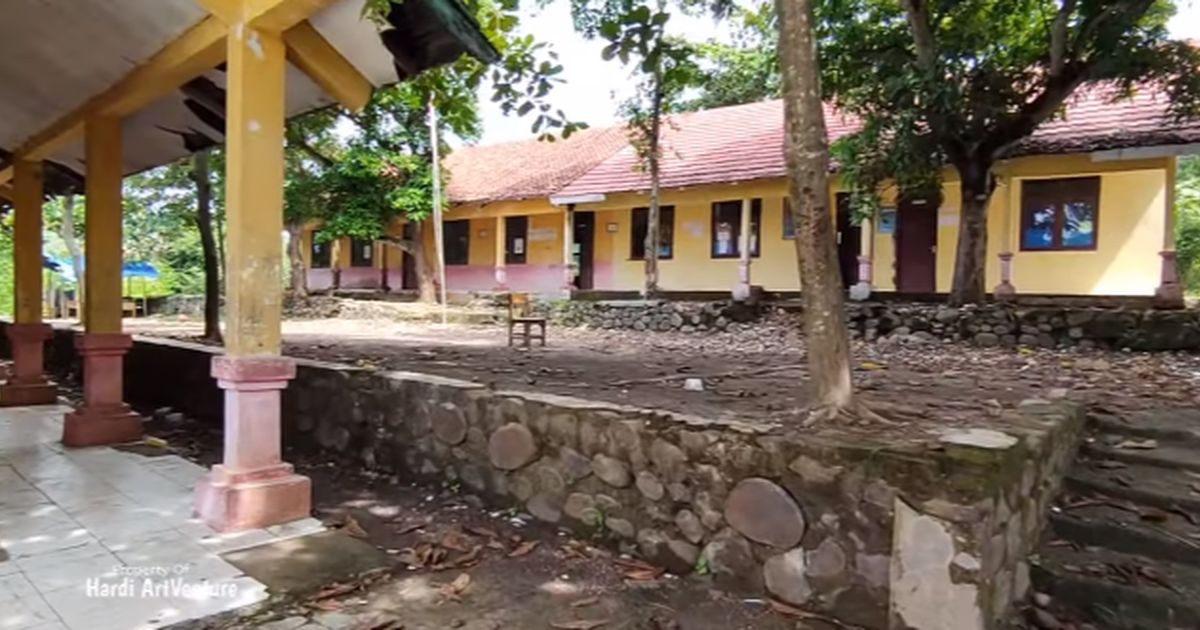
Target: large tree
x=744 y=70
x=961 y=83
x=826 y=337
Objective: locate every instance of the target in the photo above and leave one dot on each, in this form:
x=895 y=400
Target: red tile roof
x=528 y=168
x=745 y=142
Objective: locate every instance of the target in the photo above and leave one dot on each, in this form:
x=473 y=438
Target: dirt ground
x=458 y=565
x=752 y=372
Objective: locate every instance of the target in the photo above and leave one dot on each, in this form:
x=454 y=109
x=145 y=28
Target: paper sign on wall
x=887 y=221
x=947 y=217
x=695 y=228
x=542 y=234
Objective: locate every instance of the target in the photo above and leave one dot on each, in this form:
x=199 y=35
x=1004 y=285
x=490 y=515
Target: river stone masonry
x=927 y=532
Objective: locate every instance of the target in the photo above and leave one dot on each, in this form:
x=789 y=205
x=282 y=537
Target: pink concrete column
x=253 y=487
x=104 y=417
x=1005 y=289
x=501 y=277
x=1169 y=293
x=27 y=384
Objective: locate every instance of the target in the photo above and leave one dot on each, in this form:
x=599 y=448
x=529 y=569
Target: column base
x=229 y=501
x=97 y=425
x=860 y=292
x=26 y=383
x=1004 y=291
x=1168 y=296
x=104 y=418
x=15 y=394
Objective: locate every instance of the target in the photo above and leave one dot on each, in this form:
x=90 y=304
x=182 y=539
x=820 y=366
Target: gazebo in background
x=94 y=90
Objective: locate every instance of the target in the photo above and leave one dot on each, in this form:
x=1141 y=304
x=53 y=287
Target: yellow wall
x=1131 y=227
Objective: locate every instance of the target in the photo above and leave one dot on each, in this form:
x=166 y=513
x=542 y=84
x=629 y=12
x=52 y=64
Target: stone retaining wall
x=987 y=325
x=927 y=533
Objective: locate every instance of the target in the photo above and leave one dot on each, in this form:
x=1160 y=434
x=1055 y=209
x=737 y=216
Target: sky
x=595 y=87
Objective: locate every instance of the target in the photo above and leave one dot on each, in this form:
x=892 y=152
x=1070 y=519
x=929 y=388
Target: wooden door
x=849 y=241
x=916 y=246
x=584 y=249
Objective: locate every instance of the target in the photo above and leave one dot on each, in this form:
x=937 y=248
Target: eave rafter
x=199 y=50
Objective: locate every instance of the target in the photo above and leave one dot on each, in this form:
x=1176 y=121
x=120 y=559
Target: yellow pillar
x=27 y=384
x=501 y=248
x=104 y=418
x=253 y=487
x=103 y=253
x=27 y=240
x=254 y=192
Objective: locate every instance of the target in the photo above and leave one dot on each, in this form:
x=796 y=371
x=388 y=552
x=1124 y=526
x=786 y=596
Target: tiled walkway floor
x=100 y=539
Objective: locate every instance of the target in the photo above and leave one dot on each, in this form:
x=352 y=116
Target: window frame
x=755 y=229
x=326 y=256
x=666 y=219
x=1058 y=192
x=448 y=227
x=514 y=228
x=356 y=259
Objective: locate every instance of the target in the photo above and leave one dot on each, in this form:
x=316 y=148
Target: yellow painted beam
x=27 y=239
x=197 y=51
x=278 y=16
x=309 y=51
x=6 y=174
x=102 y=253
x=228 y=11
x=6 y=192
x=254 y=190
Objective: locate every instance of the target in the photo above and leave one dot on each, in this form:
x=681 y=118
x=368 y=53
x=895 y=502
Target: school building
x=1081 y=208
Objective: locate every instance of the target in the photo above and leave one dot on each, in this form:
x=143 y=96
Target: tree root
x=857 y=412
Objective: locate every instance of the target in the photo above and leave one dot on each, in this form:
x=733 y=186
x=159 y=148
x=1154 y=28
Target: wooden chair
x=520 y=309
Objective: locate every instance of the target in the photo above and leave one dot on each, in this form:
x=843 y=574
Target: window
x=727 y=228
x=789 y=221
x=516 y=240
x=456 y=239
x=1060 y=214
x=666 y=233
x=362 y=252
x=319 y=252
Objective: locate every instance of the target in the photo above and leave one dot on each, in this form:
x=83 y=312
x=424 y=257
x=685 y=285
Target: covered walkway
x=95 y=90
x=76 y=525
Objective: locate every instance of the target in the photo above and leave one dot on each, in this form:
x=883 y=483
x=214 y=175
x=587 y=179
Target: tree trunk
x=652 y=220
x=221 y=265
x=807 y=154
x=427 y=270
x=298 y=285
x=335 y=263
x=208 y=244
x=68 y=236
x=970 y=262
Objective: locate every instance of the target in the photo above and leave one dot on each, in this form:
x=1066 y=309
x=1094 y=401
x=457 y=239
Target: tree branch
x=1058 y=37
x=406 y=245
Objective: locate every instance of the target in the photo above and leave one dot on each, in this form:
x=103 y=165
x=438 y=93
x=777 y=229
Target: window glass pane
x=666 y=231
x=755 y=226
x=1079 y=224
x=1039 y=227
x=637 y=235
x=726 y=225
x=456 y=236
x=320 y=253
x=789 y=222
x=361 y=251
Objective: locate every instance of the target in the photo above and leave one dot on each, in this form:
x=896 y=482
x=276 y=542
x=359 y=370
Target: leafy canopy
x=963 y=81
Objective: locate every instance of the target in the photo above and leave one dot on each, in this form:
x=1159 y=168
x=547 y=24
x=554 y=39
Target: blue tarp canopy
x=131 y=269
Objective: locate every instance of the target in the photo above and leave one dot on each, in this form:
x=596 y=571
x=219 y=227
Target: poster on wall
x=518 y=247
x=542 y=234
x=887 y=221
x=947 y=217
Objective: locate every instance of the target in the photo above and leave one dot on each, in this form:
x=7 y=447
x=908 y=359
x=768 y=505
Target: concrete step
x=1119 y=526
x=1119 y=591
x=1174 y=456
x=1172 y=426
x=1140 y=483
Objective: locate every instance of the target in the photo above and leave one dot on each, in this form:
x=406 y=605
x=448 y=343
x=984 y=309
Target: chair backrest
x=519 y=304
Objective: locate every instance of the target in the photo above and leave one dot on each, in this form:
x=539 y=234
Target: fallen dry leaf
x=1136 y=444
x=332 y=590
x=482 y=531
x=455 y=540
x=578 y=624
x=524 y=548
x=456 y=588
x=351 y=526
x=587 y=601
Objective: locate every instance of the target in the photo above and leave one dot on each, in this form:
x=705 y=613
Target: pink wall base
x=27 y=383
x=253 y=487
x=104 y=417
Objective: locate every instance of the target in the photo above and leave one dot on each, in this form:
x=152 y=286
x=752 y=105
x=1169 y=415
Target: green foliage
x=745 y=71
x=6 y=264
x=963 y=82
x=1187 y=222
